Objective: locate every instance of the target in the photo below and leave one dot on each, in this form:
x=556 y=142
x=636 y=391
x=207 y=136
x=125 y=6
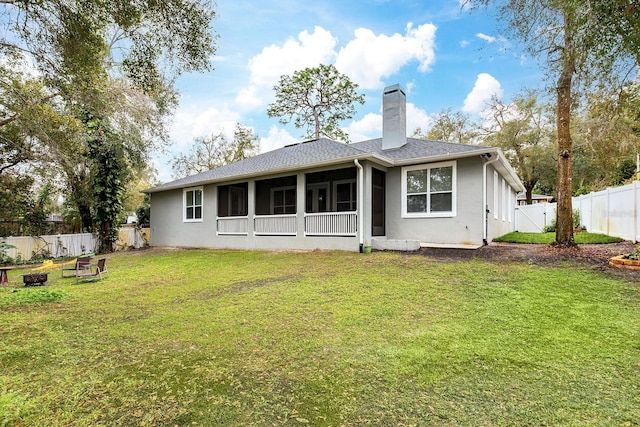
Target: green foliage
x=18 y=297
x=319 y=98
x=109 y=173
x=576 y=223
x=4 y=256
x=324 y=338
x=214 y=151
x=450 y=126
x=635 y=255
x=143 y=213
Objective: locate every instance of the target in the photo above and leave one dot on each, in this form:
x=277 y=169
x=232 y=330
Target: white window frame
x=352 y=188
x=454 y=190
x=185 y=206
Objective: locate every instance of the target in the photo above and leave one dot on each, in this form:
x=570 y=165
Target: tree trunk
x=528 y=191
x=564 y=220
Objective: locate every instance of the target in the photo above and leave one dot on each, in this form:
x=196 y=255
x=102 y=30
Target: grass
x=203 y=337
x=548 y=238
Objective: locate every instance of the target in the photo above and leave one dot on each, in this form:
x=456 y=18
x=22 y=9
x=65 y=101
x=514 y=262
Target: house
x=535 y=199
x=392 y=192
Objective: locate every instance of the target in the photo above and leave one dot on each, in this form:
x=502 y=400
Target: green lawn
x=548 y=238
x=234 y=338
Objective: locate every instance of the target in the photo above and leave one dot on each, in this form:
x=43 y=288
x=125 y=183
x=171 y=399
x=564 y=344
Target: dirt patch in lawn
x=593 y=256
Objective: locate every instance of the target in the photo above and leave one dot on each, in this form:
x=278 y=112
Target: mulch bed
x=593 y=256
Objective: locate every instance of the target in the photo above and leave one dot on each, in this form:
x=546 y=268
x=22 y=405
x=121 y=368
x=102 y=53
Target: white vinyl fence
x=70 y=245
x=614 y=211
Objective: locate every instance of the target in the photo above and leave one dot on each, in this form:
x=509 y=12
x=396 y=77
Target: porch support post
x=251 y=207
x=360 y=209
x=301 y=194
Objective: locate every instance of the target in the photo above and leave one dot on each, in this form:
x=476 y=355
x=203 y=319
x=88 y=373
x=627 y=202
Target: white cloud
x=370 y=126
x=249 y=99
x=309 y=50
x=277 y=138
x=193 y=123
x=488 y=39
x=417 y=118
x=485 y=87
x=369 y=58
x=266 y=68
x=464 y=43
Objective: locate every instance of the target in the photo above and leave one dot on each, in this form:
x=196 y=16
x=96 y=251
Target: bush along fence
x=38 y=248
x=614 y=211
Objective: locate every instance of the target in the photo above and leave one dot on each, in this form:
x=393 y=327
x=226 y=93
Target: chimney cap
x=394 y=88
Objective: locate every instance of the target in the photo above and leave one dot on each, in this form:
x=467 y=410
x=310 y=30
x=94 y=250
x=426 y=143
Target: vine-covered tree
x=581 y=42
x=115 y=61
x=214 y=151
x=316 y=99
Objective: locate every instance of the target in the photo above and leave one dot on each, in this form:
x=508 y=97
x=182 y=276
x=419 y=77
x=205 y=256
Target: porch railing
x=238 y=225
x=275 y=225
x=331 y=224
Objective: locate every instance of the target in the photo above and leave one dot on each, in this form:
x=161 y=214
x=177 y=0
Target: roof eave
x=295 y=168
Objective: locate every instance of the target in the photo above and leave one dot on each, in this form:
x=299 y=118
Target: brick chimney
x=394 y=117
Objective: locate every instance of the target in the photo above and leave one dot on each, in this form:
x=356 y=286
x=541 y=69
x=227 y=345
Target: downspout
x=360 y=204
x=485 y=189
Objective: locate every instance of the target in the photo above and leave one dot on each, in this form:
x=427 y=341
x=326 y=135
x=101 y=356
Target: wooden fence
x=70 y=245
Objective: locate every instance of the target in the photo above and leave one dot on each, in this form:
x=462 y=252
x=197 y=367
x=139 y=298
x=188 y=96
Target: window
x=345 y=195
x=192 y=204
x=283 y=200
x=429 y=190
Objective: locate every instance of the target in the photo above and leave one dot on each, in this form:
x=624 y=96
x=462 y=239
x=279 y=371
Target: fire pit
x=35 y=279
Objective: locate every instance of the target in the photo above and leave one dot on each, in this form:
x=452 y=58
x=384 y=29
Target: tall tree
x=214 y=151
x=522 y=130
x=581 y=42
x=608 y=129
x=450 y=126
x=113 y=60
x=319 y=98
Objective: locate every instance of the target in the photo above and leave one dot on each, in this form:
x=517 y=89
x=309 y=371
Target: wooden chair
x=81 y=263
x=93 y=271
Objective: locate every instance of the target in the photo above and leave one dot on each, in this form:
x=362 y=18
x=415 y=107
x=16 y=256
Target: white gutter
x=360 y=204
x=485 y=189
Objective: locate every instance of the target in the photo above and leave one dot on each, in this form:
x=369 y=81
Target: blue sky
x=444 y=57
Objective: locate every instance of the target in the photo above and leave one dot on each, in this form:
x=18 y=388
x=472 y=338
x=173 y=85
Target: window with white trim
x=429 y=190
x=192 y=202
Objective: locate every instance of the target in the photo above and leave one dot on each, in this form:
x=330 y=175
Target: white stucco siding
x=463 y=228
x=168 y=227
x=501 y=199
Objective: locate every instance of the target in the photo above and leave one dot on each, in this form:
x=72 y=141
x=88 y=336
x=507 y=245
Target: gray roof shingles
x=320 y=151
